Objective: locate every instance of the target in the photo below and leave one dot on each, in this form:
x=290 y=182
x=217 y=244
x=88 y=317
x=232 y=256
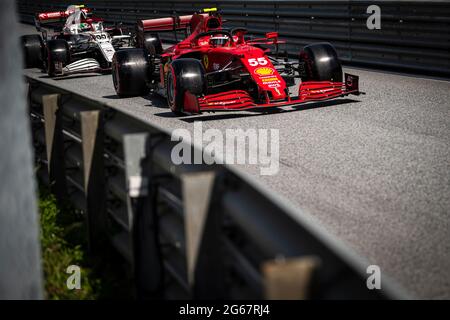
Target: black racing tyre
x=32 y=49
x=152 y=43
x=131 y=72
x=321 y=63
x=184 y=74
x=58 y=52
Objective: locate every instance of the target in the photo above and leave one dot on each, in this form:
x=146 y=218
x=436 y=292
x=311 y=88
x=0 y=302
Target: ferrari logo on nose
x=206 y=61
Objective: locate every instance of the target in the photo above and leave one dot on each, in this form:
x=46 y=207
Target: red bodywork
x=272 y=89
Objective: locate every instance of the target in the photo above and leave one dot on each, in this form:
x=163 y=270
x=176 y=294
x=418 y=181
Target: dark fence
x=414 y=35
x=185 y=231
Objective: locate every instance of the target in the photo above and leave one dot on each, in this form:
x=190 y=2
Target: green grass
x=64 y=237
x=63 y=244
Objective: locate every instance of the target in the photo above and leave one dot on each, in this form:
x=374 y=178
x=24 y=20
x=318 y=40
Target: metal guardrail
x=186 y=231
x=414 y=35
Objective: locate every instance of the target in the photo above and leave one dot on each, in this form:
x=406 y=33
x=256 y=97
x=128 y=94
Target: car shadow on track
x=156 y=100
x=113 y=97
x=71 y=76
x=256 y=112
x=160 y=102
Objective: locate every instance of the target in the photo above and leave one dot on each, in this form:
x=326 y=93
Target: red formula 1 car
x=215 y=69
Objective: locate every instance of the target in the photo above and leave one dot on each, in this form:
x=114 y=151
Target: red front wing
x=241 y=100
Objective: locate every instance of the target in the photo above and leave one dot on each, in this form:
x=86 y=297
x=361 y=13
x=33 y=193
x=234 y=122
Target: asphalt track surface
x=374 y=170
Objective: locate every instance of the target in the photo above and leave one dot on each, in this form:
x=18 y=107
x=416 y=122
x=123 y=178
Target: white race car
x=80 y=42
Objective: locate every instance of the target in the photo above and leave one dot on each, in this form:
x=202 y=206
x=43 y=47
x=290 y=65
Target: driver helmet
x=218 y=41
x=85 y=26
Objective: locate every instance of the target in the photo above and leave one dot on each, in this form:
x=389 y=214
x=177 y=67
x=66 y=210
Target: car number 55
x=260 y=61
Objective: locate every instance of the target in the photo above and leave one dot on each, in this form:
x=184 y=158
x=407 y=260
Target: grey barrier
x=414 y=35
x=20 y=257
x=185 y=231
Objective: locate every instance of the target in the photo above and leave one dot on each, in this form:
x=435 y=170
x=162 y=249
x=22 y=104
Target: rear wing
x=55 y=17
x=170 y=24
x=174 y=23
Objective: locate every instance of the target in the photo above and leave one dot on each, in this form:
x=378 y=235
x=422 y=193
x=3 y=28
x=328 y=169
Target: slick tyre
x=32 y=49
x=152 y=43
x=183 y=75
x=321 y=63
x=57 y=53
x=131 y=72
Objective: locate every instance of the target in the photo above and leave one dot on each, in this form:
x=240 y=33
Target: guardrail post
x=141 y=218
x=94 y=181
x=289 y=279
x=54 y=142
x=202 y=232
